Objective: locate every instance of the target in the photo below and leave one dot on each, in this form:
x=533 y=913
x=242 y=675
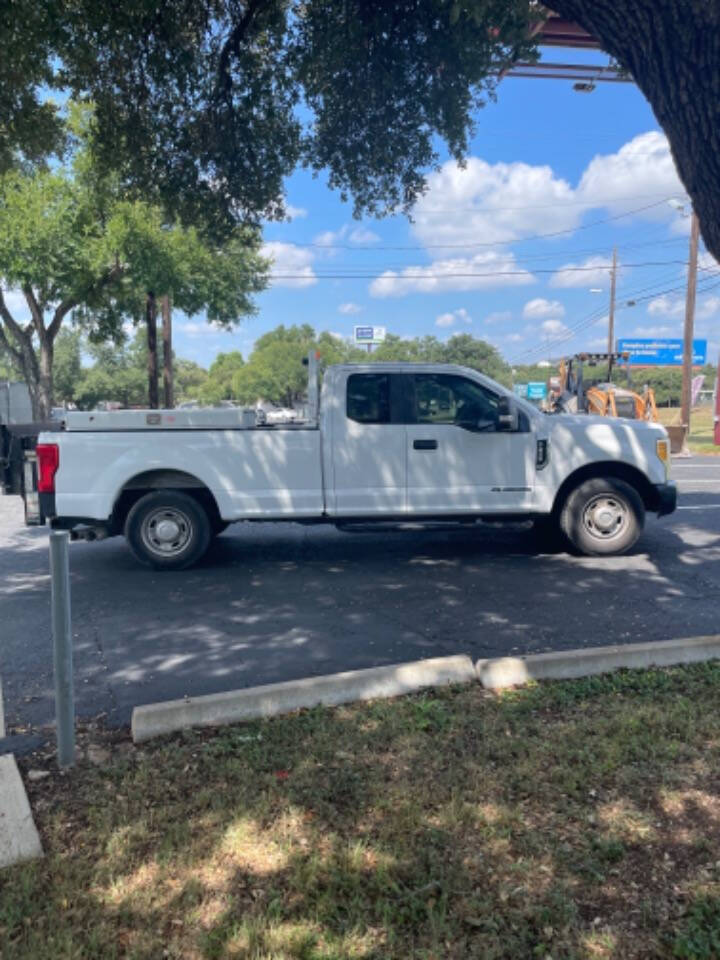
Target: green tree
x=68 y=365
x=219 y=382
x=74 y=246
x=467 y=351
x=197 y=100
x=190 y=379
x=119 y=373
x=275 y=371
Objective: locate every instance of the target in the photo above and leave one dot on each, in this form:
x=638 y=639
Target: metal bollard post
x=62 y=646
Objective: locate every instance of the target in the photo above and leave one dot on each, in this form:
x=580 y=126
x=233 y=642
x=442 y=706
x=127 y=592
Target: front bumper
x=665 y=498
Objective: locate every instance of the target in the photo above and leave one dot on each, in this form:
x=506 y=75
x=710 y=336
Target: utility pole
x=169 y=400
x=151 y=322
x=689 y=325
x=611 y=315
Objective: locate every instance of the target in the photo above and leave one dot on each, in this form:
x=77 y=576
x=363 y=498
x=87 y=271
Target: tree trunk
x=672 y=50
x=151 y=321
x=168 y=386
x=45 y=379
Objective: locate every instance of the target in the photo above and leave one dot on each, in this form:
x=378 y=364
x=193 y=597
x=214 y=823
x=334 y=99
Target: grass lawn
x=701 y=427
x=566 y=820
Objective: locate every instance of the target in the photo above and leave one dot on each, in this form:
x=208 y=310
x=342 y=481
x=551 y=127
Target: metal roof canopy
x=556 y=31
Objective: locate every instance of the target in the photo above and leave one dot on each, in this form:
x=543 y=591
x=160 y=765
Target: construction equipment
x=572 y=393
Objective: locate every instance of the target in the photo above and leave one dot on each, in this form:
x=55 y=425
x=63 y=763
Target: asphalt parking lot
x=275 y=602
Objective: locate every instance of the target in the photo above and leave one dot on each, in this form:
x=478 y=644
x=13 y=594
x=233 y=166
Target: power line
x=572 y=331
x=467 y=246
x=424 y=274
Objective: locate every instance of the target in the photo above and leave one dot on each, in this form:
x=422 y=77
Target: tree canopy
x=74 y=245
x=206 y=105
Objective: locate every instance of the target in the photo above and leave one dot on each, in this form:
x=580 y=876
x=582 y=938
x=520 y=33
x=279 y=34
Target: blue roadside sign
x=661 y=353
x=536 y=391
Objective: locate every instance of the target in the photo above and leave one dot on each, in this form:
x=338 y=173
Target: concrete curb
x=156 y=719
x=19 y=839
x=571 y=664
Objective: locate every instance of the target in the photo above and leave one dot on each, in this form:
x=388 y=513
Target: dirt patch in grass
x=566 y=820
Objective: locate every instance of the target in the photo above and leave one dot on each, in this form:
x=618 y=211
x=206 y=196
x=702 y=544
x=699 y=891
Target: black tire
x=603 y=517
x=181 y=543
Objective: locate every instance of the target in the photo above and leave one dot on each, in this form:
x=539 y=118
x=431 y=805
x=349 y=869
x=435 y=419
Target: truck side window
x=444 y=398
x=368 y=397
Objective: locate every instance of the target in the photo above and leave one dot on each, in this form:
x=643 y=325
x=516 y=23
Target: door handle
x=424 y=444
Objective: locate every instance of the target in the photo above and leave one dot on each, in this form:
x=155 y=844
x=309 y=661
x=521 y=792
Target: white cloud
x=192 y=329
x=289 y=259
x=592 y=272
x=349 y=308
x=514 y=338
x=295 y=213
x=445 y=320
x=665 y=306
x=641 y=170
x=481 y=272
x=455 y=316
x=597 y=343
x=356 y=236
x=492 y=203
x=708 y=308
x=554 y=328
x=542 y=309
x=655 y=331
x=707 y=262
x=362 y=235
x=484 y=203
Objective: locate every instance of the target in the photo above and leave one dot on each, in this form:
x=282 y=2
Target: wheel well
x=610 y=468
x=137 y=486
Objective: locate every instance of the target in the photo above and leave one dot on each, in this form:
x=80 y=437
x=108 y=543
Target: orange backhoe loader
x=574 y=394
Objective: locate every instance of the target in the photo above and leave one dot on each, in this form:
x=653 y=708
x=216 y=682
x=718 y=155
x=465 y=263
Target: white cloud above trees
x=291 y=265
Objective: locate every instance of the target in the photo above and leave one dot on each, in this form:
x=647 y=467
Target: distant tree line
x=88 y=373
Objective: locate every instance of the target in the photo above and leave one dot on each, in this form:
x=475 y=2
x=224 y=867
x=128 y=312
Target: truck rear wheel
x=168 y=530
x=603 y=516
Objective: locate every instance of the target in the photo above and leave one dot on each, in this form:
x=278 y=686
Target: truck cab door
x=368 y=447
x=461 y=457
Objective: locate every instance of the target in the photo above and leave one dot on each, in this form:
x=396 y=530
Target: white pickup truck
x=388 y=442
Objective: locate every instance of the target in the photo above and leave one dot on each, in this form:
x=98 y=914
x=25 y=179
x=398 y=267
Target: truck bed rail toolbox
x=390 y=442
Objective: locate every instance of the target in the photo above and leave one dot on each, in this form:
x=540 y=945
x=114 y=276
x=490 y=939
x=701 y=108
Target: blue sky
x=515 y=248
x=545 y=160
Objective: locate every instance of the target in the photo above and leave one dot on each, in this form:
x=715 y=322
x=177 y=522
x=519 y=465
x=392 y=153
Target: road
x=275 y=602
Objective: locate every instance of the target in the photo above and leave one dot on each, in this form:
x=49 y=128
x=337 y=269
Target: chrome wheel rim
x=166 y=531
x=606 y=517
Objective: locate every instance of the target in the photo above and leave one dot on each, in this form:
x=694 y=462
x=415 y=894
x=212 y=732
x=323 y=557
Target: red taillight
x=48 y=460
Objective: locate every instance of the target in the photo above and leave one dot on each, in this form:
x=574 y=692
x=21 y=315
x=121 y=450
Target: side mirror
x=508 y=417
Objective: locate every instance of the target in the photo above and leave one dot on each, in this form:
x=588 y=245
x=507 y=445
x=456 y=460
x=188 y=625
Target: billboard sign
x=661 y=353
x=368 y=334
x=520 y=390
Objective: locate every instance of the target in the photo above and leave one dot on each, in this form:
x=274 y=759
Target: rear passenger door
x=369 y=461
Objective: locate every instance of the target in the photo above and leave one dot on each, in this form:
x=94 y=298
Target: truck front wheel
x=603 y=516
x=168 y=530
